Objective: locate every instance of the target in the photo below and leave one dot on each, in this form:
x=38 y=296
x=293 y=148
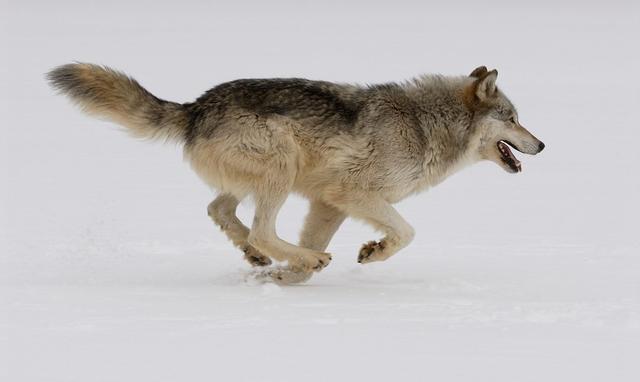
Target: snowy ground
x=110 y=269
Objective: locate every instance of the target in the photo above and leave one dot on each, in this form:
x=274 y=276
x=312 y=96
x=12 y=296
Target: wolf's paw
x=311 y=262
x=255 y=258
x=323 y=260
x=286 y=276
x=372 y=251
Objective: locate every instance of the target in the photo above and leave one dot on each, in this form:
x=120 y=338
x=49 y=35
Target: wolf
x=351 y=150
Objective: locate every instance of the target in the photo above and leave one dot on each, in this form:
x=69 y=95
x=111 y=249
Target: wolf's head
x=496 y=122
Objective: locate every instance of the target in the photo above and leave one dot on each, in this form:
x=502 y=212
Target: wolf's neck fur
x=447 y=125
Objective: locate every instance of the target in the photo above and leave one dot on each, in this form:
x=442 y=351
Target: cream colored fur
x=404 y=139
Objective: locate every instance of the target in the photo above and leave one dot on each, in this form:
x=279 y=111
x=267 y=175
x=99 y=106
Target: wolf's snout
x=541 y=146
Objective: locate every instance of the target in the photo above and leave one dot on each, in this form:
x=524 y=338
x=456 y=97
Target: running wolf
x=351 y=150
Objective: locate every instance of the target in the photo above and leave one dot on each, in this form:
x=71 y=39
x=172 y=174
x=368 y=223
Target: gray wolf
x=350 y=150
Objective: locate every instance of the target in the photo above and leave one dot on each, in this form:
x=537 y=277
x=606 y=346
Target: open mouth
x=507 y=156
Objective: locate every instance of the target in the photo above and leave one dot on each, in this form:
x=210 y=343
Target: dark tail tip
x=64 y=78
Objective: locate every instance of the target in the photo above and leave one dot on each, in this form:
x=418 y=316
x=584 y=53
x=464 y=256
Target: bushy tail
x=110 y=94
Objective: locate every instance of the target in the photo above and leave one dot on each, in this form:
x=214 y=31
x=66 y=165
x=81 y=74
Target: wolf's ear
x=486 y=85
x=478 y=72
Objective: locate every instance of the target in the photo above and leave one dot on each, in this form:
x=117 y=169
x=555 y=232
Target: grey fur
x=351 y=150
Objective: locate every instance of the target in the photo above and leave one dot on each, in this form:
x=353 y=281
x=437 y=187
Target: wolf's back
x=110 y=94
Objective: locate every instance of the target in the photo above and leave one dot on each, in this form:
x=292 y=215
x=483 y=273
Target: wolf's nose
x=540 y=147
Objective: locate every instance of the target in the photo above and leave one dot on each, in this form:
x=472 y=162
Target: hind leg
x=263 y=236
x=223 y=212
x=321 y=224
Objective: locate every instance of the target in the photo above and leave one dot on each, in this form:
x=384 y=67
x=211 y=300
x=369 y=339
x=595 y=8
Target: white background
x=110 y=269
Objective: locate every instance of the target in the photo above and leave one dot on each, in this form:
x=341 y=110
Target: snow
x=110 y=269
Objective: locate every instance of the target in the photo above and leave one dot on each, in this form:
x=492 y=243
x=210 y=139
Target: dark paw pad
x=369 y=249
x=255 y=258
x=320 y=265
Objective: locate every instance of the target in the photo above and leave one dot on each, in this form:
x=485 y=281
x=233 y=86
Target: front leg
x=321 y=224
x=383 y=217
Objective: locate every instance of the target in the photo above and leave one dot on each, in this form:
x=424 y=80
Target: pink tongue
x=511 y=154
x=507 y=150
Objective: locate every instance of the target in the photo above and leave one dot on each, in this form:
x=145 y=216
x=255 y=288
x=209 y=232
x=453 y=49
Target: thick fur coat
x=351 y=150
